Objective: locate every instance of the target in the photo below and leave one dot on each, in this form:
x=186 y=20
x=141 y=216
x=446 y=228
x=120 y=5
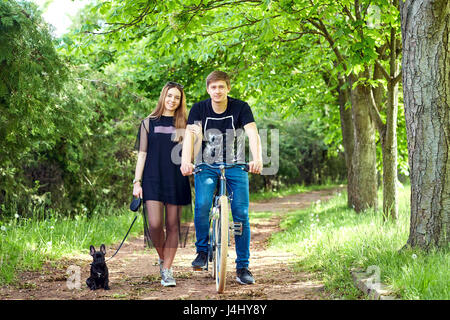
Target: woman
x=158 y=180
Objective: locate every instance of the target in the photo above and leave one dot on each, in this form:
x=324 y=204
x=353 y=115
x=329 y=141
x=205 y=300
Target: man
x=221 y=121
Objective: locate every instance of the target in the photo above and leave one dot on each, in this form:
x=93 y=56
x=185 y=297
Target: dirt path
x=134 y=273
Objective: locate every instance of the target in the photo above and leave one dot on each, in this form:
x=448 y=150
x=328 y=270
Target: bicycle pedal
x=237 y=228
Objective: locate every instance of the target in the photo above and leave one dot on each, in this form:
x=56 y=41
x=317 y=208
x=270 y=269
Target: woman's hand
x=186 y=168
x=195 y=129
x=137 y=190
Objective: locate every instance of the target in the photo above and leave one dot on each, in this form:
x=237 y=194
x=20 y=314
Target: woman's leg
x=155 y=214
x=172 y=233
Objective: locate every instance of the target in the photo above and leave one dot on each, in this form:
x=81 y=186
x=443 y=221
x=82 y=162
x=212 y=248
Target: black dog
x=99 y=270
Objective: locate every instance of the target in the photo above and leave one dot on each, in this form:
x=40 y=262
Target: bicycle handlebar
x=197 y=168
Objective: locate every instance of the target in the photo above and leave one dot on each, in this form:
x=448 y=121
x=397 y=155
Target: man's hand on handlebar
x=255 y=166
x=188 y=168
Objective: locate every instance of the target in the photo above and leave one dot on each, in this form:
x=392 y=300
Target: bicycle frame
x=222 y=167
x=218 y=249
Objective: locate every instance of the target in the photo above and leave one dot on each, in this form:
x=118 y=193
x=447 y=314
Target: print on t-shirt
x=216 y=139
x=223 y=134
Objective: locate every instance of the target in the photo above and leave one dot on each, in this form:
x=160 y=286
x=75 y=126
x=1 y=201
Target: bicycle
x=219 y=230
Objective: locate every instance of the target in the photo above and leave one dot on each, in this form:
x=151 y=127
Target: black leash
x=123 y=239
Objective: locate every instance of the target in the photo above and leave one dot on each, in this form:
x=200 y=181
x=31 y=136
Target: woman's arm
x=137 y=188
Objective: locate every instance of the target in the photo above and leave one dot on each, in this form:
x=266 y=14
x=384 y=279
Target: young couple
x=219 y=123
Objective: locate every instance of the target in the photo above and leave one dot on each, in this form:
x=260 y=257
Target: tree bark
x=347 y=136
x=388 y=130
x=426 y=91
x=389 y=139
x=364 y=156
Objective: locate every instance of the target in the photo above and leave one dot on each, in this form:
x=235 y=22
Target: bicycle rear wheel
x=221 y=245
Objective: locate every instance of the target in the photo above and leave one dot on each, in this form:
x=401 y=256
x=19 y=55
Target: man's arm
x=255 y=166
x=192 y=137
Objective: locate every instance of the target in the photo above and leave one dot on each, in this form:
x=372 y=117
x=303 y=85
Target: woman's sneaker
x=244 y=276
x=167 y=279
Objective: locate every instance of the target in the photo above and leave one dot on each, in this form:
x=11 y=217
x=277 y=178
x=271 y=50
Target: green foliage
x=67 y=132
x=97 y=160
x=31 y=76
x=108 y=72
x=304 y=158
x=276 y=52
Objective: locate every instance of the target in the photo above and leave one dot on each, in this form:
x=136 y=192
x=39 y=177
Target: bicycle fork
x=236 y=227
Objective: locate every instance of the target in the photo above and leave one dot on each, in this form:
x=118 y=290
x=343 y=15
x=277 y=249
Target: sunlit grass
x=329 y=239
x=287 y=190
x=26 y=243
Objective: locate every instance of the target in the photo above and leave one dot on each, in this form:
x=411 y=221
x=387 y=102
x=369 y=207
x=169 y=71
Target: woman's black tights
x=165 y=244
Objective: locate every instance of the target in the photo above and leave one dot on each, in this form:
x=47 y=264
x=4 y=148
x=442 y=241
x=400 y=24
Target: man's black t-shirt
x=223 y=134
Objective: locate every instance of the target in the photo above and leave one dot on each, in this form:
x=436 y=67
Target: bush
x=304 y=157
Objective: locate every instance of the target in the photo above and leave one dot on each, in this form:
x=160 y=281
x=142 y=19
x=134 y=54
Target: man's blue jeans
x=237 y=187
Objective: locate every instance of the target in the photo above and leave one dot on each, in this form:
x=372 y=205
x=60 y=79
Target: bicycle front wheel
x=221 y=245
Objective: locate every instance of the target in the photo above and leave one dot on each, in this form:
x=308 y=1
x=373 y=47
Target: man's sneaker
x=200 y=261
x=244 y=276
x=167 y=279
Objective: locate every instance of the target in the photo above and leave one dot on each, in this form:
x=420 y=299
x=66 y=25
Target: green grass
x=329 y=239
x=27 y=243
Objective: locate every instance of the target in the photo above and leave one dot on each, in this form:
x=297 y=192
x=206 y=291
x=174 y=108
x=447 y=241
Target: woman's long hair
x=180 y=115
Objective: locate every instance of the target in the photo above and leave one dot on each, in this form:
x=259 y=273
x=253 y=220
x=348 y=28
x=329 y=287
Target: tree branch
x=299 y=35
x=381 y=51
x=241 y=42
x=321 y=27
x=146 y=11
x=383 y=70
x=381 y=127
x=211 y=6
x=348 y=13
x=397 y=78
x=233 y=28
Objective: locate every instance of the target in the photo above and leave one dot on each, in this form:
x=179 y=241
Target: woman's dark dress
x=162 y=179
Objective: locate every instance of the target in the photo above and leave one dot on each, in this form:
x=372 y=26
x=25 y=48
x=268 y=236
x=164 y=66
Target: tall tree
x=426 y=91
x=385 y=97
x=366 y=61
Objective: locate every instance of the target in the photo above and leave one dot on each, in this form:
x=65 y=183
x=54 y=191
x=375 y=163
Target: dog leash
x=123 y=239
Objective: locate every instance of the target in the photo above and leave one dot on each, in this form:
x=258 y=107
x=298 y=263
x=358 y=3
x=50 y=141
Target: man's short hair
x=216 y=76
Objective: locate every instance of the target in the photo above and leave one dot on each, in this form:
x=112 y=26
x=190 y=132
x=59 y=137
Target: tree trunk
x=426 y=91
x=389 y=147
x=364 y=156
x=388 y=134
x=389 y=139
x=347 y=137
